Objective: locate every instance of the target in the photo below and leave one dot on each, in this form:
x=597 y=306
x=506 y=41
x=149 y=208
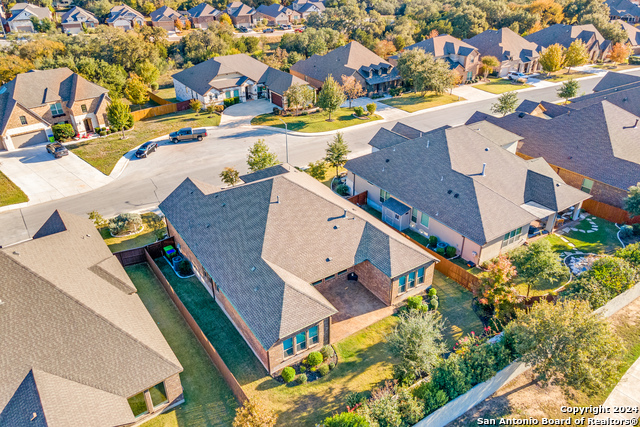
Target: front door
x=246 y=93
x=88 y=125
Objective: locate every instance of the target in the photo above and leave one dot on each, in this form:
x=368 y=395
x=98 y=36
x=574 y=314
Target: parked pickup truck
x=187 y=134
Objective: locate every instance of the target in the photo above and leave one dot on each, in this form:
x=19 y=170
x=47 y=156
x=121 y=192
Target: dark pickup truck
x=187 y=134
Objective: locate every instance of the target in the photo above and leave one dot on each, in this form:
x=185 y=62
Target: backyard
x=103 y=153
x=10 y=193
x=117 y=244
x=499 y=85
x=412 y=102
x=315 y=122
x=208 y=400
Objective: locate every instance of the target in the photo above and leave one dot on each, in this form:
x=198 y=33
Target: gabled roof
x=124 y=12
x=39 y=12
x=504 y=44
x=307 y=6
x=203 y=9
x=633 y=33
x=443 y=45
x=613 y=80
x=75 y=333
x=164 y=13
x=226 y=71
x=78 y=15
x=623 y=8
x=386 y=138
x=273 y=10
x=37 y=88
x=263 y=243
x=619 y=89
x=406 y=130
x=440 y=174
x=238 y=8
x=566 y=34
x=599 y=141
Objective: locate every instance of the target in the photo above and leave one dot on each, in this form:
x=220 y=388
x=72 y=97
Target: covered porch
x=549 y=220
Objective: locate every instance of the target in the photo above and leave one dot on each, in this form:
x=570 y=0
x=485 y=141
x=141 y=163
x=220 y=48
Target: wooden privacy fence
x=359 y=199
x=158 y=100
x=608 y=212
x=160 y=110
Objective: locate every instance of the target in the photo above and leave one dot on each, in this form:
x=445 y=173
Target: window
x=313 y=335
x=383 y=196
x=587 y=185
x=414 y=215
x=420 y=275
x=412 y=279
x=158 y=394
x=56 y=109
x=301 y=341
x=511 y=237
x=287 y=346
x=316 y=283
x=340 y=273
x=330 y=277
x=236 y=93
x=402 y=284
x=424 y=220
x=83 y=107
x=469 y=75
x=138 y=405
x=23 y=120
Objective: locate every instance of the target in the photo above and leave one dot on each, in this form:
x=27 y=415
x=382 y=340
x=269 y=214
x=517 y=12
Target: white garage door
x=31 y=138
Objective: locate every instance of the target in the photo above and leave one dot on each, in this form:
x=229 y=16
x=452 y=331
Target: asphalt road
x=146 y=182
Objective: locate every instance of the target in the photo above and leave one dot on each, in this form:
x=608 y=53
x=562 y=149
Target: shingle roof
x=504 y=44
x=225 y=71
x=565 y=35
x=40 y=12
x=386 y=138
x=406 y=130
x=623 y=8
x=273 y=10
x=78 y=14
x=613 y=80
x=164 y=13
x=306 y=6
x=599 y=141
x=237 y=8
x=440 y=174
x=633 y=33
x=203 y=9
x=73 y=338
x=263 y=243
x=443 y=45
x=123 y=12
x=264 y=173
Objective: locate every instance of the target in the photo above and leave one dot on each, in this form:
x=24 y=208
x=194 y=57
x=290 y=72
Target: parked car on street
x=514 y=75
x=243 y=29
x=298 y=30
x=57 y=149
x=187 y=134
x=285 y=26
x=145 y=149
x=268 y=30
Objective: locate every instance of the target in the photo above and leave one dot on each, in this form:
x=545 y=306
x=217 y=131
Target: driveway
x=383 y=110
x=241 y=114
x=44 y=178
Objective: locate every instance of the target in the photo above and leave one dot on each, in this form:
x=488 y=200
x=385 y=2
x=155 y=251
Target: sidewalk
x=625 y=394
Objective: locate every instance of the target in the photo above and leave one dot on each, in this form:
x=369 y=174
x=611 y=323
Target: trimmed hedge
x=288 y=374
x=63 y=131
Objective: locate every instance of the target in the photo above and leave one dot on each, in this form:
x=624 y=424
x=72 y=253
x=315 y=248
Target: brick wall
x=276 y=353
x=14 y=119
x=375 y=281
x=428 y=279
x=173 y=388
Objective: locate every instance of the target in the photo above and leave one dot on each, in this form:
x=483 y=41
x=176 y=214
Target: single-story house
x=624 y=10
x=277 y=14
x=79 y=348
x=36 y=100
x=564 y=35
x=241 y=15
x=203 y=15
x=592 y=147
x=465 y=185
x=72 y=20
x=165 y=17
x=21 y=14
x=125 y=17
x=233 y=76
x=307 y=7
x=512 y=51
x=633 y=35
x=270 y=251
x=462 y=58
x=374 y=73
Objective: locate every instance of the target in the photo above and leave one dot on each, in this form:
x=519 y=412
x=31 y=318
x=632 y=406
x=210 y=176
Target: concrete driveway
x=241 y=114
x=44 y=178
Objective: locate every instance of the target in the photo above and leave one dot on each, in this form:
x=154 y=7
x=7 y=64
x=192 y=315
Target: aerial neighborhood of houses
x=315 y=213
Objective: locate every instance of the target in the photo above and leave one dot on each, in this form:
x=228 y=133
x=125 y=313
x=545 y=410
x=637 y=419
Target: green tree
x=195 y=105
x=632 y=201
x=489 y=64
x=576 y=55
x=147 y=72
x=119 y=115
x=417 y=342
x=254 y=413
x=260 y=157
x=506 y=104
x=552 y=58
x=331 y=96
x=537 y=263
x=224 y=18
x=299 y=96
x=631 y=254
x=136 y=91
x=230 y=176
x=318 y=170
x=568 y=90
x=567 y=345
x=496 y=290
x=424 y=72
x=336 y=152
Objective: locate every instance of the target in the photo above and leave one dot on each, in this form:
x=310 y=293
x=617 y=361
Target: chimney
x=484 y=168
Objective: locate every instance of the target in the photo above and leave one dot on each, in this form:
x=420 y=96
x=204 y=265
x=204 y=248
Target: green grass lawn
x=10 y=194
x=208 y=400
x=316 y=122
x=117 y=244
x=603 y=240
x=167 y=93
x=561 y=76
x=103 y=153
x=499 y=85
x=412 y=102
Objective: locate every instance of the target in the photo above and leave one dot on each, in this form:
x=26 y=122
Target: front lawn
x=561 y=76
x=10 y=194
x=499 y=85
x=208 y=399
x=412 y=102
x=103 y=153
x=316 y=122
x=117 y=244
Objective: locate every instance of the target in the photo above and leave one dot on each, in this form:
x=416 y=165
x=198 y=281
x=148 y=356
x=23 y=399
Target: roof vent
x=427 y=143
x=449 y=192
x=484 y=169
x=224 y=204
x=208 y=225
x=442 y=178
x=486 y=149
x=253 y=268
x=521 y=115
x=383 y=169
x=34 y=416
x=386 y=161
x=625 y=99
x=328 y=259
x=16 y=253
x=255 y=289
x=335 y=227
x=455 y=196
x=191 y=192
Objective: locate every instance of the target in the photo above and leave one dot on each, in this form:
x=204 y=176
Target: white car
x=514 y=75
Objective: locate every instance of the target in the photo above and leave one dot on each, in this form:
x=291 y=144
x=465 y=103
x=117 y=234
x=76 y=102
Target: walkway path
x=626 y=394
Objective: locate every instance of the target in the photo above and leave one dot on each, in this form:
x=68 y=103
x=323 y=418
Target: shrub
x=125 y=223
x=346 y=419
x=450 y=377
x=608 y=277
x=63 y=131
x=411 y=409
x=395 y=91
x=276 y=111
x=195 y=105
x=433 y=303
x=154 y=86
x=323 y=370
x=302 y=378
x=359 y=111
x=343 y=190
x=414 y=303
x=371 y=107
x=304 y=113
x=314 y=358
x=303 y=368
x=327 y=352
x=433 y=241
x=432 y=292
x=450 y=251
x=354 y=398
x=218 y=108
x=331 y=366
x=288 y=374
x=210 y=109
x=631 y=254
x=313 y=369
x=626 y=231
x=636 y=229
x=433 y=399
x=102 y=133
x=440 y=251
x=184 y=268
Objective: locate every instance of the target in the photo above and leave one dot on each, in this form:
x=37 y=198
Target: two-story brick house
x=34 y=101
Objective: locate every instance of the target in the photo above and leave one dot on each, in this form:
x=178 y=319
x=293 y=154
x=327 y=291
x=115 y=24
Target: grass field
x=316 y=122
x=412 y=102
x=561 y=76
x=103 y=153
x=117 y=244
x=10 y=194
x=498 y=86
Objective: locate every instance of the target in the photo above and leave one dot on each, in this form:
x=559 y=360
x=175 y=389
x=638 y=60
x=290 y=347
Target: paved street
x=145 y=182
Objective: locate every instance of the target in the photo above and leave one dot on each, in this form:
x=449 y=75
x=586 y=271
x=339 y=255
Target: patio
x=357 y=307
